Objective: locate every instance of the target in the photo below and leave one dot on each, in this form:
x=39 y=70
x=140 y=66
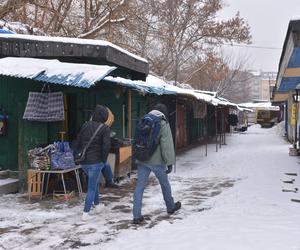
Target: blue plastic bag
x=62 y=156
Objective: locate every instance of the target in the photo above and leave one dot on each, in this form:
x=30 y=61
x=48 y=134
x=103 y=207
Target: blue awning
x=54 y=71
x=3 y=31
x=288 y=83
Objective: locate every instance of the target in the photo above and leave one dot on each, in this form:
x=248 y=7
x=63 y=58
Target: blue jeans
x=107 y=173
x=143 y=175
x=93 y=172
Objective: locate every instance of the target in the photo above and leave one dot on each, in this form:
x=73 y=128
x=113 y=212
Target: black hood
x=100 y=114
x=162 y=108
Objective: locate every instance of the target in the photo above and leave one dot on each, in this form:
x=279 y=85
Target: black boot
x=138 y=220
x=176 y=207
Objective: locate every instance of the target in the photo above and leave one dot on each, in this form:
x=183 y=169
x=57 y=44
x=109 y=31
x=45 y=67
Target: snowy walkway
x=232 y=199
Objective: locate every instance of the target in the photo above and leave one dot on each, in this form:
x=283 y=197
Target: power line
x=252 y=46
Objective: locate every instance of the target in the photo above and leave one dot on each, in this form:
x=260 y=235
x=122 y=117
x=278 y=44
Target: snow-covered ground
x=232 y=199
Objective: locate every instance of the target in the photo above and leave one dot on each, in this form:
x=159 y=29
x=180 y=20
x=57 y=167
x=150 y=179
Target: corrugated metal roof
x=155 y=85
x=54 y=71
x=140 y=86
x=4 y=31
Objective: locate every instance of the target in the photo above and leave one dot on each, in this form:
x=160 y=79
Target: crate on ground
x=34 y=183
x=293 y=151
x=61 y=196
x=123 y=156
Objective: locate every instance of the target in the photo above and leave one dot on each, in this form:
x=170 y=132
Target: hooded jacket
x=100 y=146
x=164 y=154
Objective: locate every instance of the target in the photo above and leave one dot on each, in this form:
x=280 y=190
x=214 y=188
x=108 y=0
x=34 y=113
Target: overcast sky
x=268 y=20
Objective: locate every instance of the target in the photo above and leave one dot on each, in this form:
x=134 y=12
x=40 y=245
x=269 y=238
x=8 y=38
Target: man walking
x=160 y=163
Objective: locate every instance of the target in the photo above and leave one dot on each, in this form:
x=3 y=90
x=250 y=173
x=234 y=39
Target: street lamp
x=296 y=98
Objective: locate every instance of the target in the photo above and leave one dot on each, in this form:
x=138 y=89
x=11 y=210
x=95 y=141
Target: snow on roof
x=155 y=81
x=141 y=86
x=54 y=71
x=158 y=86
x=225 y=102
x=262 y=105
x=244 y=109
x=85 y=75
x=72 y=40
x=295 y=18
x=19 y=28
x=202 y=95
x=212 y=93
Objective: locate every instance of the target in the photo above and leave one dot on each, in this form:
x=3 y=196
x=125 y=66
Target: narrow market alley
x=225 y=197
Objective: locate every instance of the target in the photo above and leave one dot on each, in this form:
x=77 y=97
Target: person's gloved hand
x=169 y=169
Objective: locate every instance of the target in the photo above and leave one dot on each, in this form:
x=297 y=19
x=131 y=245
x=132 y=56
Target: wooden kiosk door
x=181 y=132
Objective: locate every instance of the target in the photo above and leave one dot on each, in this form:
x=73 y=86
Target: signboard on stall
x=293 y=115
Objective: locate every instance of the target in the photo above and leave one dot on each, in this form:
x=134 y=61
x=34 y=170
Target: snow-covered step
x=9 y=185
x=4 y=174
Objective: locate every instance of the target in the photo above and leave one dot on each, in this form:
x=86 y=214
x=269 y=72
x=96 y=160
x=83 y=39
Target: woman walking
x=95 y=156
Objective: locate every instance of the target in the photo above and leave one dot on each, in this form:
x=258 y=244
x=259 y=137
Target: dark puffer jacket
x=99 y=148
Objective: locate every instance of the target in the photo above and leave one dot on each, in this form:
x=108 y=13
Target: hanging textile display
x=45 y=106
x=200 y=109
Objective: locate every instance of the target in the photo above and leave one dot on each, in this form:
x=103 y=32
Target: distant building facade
x=268 y=82
x=261 y=84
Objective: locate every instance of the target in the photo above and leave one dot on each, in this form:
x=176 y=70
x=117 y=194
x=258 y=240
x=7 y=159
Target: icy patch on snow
x=7 y=181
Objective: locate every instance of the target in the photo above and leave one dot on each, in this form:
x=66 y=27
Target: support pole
x=175 y=139
x=295 y=139
x=206 y=133
x=123 y=120
x=216 y=128
x=129 y=107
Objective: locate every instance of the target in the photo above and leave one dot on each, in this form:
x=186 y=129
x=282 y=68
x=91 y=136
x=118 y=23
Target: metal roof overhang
x=139 y=86
x=54 y=71
x=280 y=97
x=154 y=85
x=290 y=76
x=289 y=67
x=18 y=45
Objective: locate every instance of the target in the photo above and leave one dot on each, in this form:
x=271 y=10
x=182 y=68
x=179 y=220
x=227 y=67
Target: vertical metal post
x=175 y=146
x=221 y=128
x=123 y=121
x=296 y=118
x=129 y=107
x=216 y=129
x=224 y=131
x=206 y=135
